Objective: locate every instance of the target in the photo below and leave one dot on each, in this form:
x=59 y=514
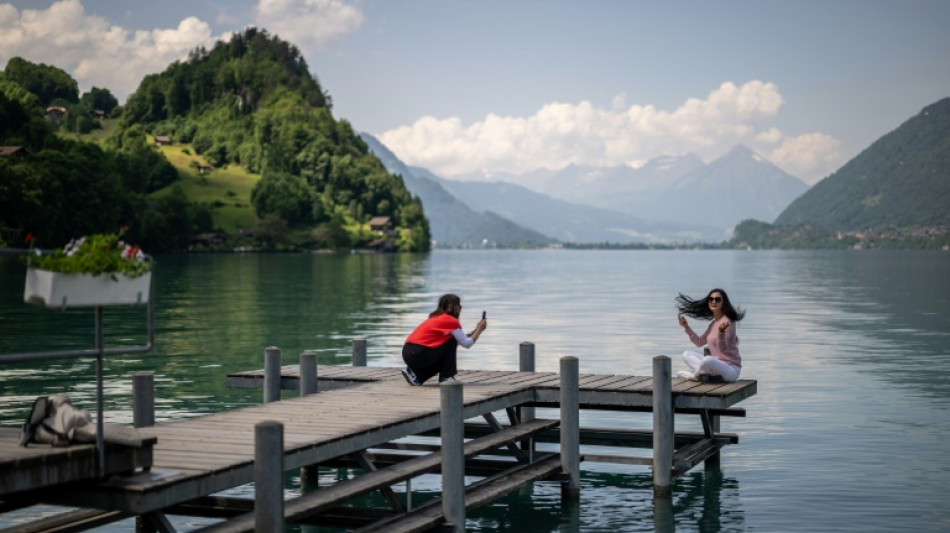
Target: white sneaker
x=450 y=379
x=685 y=374
x=410 y=377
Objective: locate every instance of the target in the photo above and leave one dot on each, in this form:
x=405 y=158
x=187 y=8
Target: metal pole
x=570 y=429
x=308 y=373
x=271 y=374
x=662 y=427
x=269 y=476
x=453 y=456
x=143 y=399
x=359 y=352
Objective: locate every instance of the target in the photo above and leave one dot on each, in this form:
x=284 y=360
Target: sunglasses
x=715 y=299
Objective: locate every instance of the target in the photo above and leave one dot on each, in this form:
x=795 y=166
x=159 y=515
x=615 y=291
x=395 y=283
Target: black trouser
x=426 y=362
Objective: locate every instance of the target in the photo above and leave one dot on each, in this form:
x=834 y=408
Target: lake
x=849 y=430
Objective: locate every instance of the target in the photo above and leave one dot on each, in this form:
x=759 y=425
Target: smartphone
x=483 y=315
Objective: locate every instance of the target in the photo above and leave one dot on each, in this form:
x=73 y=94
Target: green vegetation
x=255 y=156
x=759 y=235
x=95 y=254
x=901 y=181
x=894 y=194
x=251 y=103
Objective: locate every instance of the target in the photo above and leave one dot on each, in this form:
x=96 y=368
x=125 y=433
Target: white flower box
x=57 y=290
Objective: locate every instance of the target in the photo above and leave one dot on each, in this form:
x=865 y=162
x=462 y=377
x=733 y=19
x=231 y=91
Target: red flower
x=29 y=237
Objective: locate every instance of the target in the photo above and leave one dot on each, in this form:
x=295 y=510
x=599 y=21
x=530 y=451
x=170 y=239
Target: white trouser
x=707 y=364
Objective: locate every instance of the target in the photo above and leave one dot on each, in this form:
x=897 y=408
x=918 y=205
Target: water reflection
x=704 y=500
x=850 y=351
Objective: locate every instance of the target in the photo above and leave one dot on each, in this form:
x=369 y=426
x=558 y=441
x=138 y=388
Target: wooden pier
x=358 y=416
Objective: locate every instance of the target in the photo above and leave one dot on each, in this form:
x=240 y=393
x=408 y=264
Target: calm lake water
x=849 y=430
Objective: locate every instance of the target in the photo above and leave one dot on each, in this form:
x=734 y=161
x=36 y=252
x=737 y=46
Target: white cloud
x=91 y=49
x=309 y=24
x=811 y=156
x=99 y=53
x=561 y=133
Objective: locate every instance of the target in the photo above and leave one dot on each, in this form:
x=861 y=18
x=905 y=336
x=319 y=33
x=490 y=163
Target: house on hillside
x=204 y=169
x=207 y=240
x=381 y=225
x=55 y=113
x=163 y=140
x=18 y=152
x=100 y=114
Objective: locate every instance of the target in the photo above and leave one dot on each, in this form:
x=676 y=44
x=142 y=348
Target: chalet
x=55 y=113
x=204 y=169
x=100 y=114
x=163 y=140
x=17 y=152
x=207 y=240
x=381 y=225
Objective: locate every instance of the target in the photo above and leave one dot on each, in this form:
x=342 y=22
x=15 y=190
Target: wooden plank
x=694 y=454
x=370 y=406
x=429 y=515
x=307 y=505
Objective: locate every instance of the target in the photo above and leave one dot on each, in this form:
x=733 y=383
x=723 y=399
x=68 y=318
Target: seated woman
x=431 y=348
x=720 y=337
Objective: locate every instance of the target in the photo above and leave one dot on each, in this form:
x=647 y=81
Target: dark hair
x=700 y=308
x=448 y=304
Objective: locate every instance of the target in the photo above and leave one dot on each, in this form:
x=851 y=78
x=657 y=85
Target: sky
x=466 y=87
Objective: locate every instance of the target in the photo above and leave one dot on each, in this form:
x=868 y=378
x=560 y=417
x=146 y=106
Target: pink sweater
x=724 y=347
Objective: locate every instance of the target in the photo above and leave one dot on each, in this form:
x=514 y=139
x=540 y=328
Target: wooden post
x=662 y=427
x=269 y=476
x=453 y=455
x=663 y=517
x=713 y=463
x=308 y=372
x=271 y=374
x=570 y=429
x=309 y=475
x=526 y=364
x=143 y=416
x=143 y=399
x=359 y=352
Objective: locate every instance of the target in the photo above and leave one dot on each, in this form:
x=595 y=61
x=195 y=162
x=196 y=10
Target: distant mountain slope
x=738 y=186
x=452 y=222
x=572 y=222
x=901 y=180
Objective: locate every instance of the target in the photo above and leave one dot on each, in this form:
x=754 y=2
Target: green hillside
x=249 y=150
x=226 y=192
x=902 y=180
x=249 y=107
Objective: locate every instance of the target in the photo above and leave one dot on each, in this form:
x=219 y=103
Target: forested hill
x=902 y=180
x=252 y=102
x=250 y=152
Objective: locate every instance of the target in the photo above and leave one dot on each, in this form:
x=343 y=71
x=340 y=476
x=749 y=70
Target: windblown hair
x=448 y=304
x=700 y=308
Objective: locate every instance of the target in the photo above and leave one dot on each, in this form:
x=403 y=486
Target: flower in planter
x=101 y=253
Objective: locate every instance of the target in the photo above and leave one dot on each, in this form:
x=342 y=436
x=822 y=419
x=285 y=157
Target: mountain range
x=665 y=201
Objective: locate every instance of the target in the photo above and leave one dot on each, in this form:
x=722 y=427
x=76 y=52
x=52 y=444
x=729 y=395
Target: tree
x=283 y=195
x=99 y=99
x=46 y=82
